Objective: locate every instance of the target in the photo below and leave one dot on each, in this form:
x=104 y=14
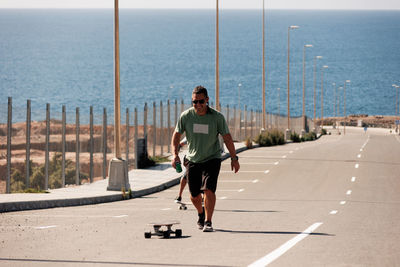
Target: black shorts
x=202 y=176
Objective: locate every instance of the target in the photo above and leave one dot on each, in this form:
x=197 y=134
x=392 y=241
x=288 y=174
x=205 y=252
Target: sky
x=207 y=4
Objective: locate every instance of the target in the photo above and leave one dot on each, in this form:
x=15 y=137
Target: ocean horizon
x=65 y=57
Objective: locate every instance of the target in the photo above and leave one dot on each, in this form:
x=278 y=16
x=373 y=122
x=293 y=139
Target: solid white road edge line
x=120 y=216
x=285 y=247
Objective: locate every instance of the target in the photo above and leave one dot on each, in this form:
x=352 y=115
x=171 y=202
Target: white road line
x=255 y=181
x=353 y=179
x=236 y=181
x=333 y=212
x=284 y=157
x=348 y=192
x=166 y=209
x=252 y=163
x=359 y=156
x=120 y=216
x=342 y=202
x=276 y=163
x=356 y=166
x=242 y=171
x=241 y=190
x=266 y=172
x=45 y=227
x=222 y=198
x=291 y=152
x=361 y=150
x=285 y=247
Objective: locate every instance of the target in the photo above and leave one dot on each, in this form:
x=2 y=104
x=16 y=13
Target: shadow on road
x=268 y=232
x=103 y=262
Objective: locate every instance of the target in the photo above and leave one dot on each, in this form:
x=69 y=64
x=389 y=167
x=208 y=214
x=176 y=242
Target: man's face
x=199 y=102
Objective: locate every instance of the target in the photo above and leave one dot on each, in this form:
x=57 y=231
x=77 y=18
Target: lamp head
x=308 y=45
x=318 y=57
x=347 y=81
x=293 y=27
x=325 y=66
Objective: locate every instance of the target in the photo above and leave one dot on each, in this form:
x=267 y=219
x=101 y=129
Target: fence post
x=28 y=143
x=46 y=181
x=155 y=129
x=136 y=137
x=176 y=112
x=127 y=137
x=234 y=123
x=63 y=147
x=227 y=117
x=161 y=128
x=104 y=143
x=245 y=121
x=182 y=106
x=9 y=133
x=251 y=124
x=169 y=127
x=145 y=123
x=77 y=148
x=91 y=145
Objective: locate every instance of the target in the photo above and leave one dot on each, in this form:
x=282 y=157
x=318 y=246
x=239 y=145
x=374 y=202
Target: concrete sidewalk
x=143 y=182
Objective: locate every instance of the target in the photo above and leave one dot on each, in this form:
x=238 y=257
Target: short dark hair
x=200 y=90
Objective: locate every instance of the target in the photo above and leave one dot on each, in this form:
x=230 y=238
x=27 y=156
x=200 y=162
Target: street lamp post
x=322 y=95
x=263 y=68
x=338 y=108
x=118 y=170
x=217 y=58
x=240 y=111
x=315 y=87
x=304 y=88
x=344 y=100
x=288 y=81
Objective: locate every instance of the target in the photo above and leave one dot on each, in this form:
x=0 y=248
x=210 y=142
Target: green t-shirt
x=202 y=133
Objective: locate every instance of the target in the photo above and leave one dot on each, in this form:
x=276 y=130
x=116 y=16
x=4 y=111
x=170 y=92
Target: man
x=202 y=126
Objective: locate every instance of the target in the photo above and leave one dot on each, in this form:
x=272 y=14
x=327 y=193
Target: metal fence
x=58 y=150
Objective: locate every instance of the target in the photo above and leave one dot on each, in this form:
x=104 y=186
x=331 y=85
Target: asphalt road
x=331 y=202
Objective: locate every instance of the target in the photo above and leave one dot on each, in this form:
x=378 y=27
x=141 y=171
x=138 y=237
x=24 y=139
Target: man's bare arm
x=176 y=137
x=232 y=151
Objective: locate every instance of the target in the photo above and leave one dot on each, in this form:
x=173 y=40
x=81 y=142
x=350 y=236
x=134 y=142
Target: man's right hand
x=174 y=160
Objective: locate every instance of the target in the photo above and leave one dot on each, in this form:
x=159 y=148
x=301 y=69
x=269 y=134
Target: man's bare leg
x=209 y=204
x=197 y=203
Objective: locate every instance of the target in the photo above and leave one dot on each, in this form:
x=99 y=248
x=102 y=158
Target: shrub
x=295 y=137
x=248 y=143
x=309 y=136
x=270 y=138
x=323 y=131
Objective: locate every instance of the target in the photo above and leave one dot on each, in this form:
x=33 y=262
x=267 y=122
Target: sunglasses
x=201 y=101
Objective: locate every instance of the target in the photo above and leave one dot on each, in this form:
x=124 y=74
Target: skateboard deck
x=183 y=206
x=163 y=229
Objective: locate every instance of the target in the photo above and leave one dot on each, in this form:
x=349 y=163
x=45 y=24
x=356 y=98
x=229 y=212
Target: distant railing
x=60 y=151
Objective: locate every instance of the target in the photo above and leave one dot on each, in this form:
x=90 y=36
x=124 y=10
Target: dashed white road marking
x=342 y=202
x=276 y=163
x=222 y=198
x=356 y=166
x=241 y=190
x=166 y=209
x=359 y=156
x=361 y=150
x=333 y=212
x=284 y=157
x=45 y=227
x=267 y=171
x=120 y=216
x=348 y=192
x=353 y=179
x=255 y=181
x=264 y=261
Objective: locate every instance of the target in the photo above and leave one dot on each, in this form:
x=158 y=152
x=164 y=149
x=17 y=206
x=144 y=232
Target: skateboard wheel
x=185 y=208
x=180 y=207
x=166 y=234
x=178 y=233
x=147 y=234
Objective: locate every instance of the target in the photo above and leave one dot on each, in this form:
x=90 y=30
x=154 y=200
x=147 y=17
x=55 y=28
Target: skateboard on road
x=183 y=206
x=163 y=229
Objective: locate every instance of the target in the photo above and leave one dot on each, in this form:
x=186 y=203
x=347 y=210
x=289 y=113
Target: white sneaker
x=208 y=227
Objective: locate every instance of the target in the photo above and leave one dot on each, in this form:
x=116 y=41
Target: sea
x=66 y=57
